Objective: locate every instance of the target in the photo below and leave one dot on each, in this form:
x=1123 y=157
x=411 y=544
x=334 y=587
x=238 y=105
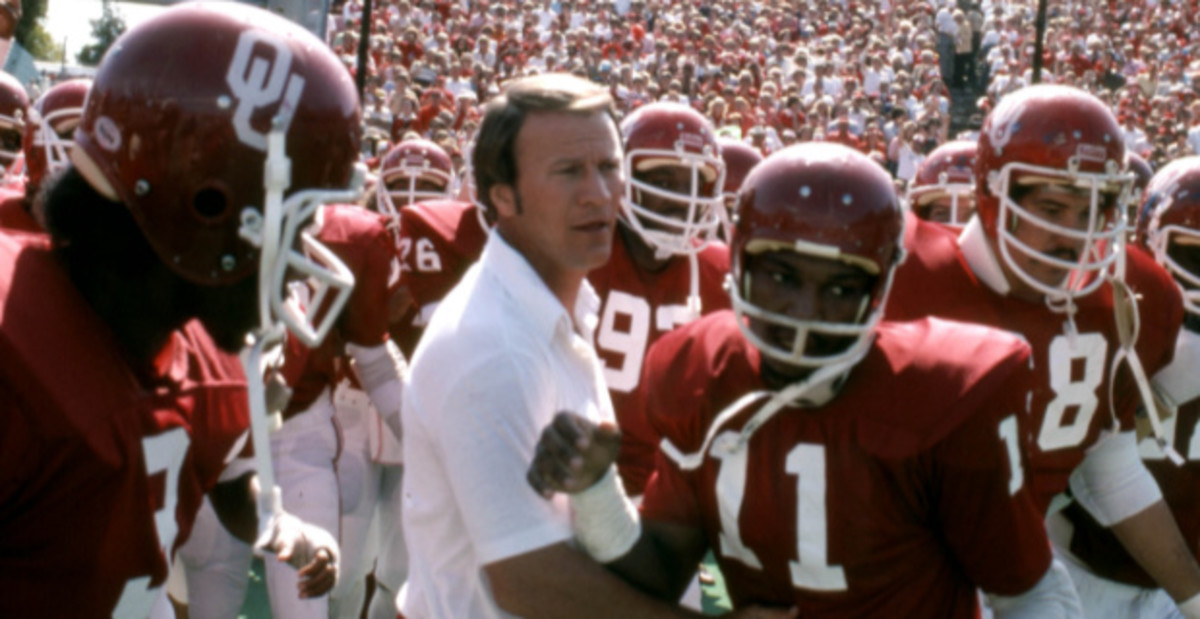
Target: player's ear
x=504 y=198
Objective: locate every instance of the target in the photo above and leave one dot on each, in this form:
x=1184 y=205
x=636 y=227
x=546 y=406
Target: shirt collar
x=980 y=258
x=545 y=313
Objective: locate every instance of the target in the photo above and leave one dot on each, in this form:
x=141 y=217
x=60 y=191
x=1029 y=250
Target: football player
x=47 y=141
x=436 y=239
x=14 y=109
x=943 y=189
x=667 y=266
x=323 y=480
x=739 y=158
x=834 y=463
x=166 y=249
x=1109 y=580
x=1039 y=258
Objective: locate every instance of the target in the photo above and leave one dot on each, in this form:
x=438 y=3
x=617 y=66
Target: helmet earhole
x=210 y=203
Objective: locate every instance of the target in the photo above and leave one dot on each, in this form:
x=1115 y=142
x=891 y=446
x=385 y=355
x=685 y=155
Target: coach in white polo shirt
x=509 y=347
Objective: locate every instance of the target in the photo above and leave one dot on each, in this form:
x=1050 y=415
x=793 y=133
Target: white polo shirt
x=499 y=358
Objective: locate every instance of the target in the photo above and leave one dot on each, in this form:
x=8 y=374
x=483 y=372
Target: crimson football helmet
x=669 y=134
x=407 y=172
x=49 y=127
x=14 y=109
x=825 y=200
x=739 y=158
x=1172 y=222
x=948 y=172
x=223 y=128
x=1142 y=173
x=1060 y=136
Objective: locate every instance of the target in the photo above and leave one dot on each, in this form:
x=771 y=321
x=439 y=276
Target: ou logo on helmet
x=256 y=82
x=1003 y=128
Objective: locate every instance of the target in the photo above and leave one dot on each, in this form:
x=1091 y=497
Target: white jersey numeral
x=632 y=344
x=812 y=571
x=1011 y=439
x=163 y=454
x=1080 y=395
x=731 y=489
x=807 y=462
x=428 y=260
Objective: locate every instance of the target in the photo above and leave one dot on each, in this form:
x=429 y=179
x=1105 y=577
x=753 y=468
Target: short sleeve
x=365 y=319
x=487 y=430
x=670 y=495
x=986 y=513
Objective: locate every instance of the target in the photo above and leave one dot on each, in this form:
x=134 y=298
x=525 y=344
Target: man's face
x=673 y=178
x=1185 y=250
x=943 y=209
x=403 y=188
x=807 y=288
x=1059 y=205
x=568 y=190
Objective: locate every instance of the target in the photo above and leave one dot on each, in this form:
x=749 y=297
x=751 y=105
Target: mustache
x=1065 y=253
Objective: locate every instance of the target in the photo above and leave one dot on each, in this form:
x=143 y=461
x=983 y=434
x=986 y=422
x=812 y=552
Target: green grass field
x=256 y=606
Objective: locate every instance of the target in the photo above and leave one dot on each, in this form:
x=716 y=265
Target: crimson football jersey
x=14 y=212
x=1095 y=545
x=439 y=241
x=636 y=308
x=898 y=498
x=359 y=238
x=1070 y=384
x=102 y=468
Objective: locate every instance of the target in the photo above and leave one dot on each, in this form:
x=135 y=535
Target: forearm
x=379 y=370
x=662 y=562
x=235 y=504
x=1153 y=539
x=560 y=581
x=656 y=558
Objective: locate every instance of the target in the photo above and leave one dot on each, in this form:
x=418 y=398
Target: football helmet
x=825 y=200
x=14 y=109
x=1142 y=173
x=739 y=158
x=178 y=125
x=406 y=172
x=1059 y=136
x=948 y=172
x=669 y=134
x=1172 y=224
x=49 y=127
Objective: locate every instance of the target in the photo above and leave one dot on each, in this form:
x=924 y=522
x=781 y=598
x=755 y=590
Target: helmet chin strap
x=1156 y=408
x=816 y=390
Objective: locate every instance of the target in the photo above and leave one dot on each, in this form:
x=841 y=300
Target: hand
x=572 y=455
x=308 y=548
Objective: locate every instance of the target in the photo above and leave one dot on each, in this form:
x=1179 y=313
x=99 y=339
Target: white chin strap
x=261 y=359
x=816 y=390
x=1155 y=407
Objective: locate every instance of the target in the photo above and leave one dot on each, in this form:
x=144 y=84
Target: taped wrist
x=606 y=522
x=1191 y=607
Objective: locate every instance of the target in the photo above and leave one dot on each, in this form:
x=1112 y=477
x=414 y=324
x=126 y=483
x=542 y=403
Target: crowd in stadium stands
x=878 y=76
